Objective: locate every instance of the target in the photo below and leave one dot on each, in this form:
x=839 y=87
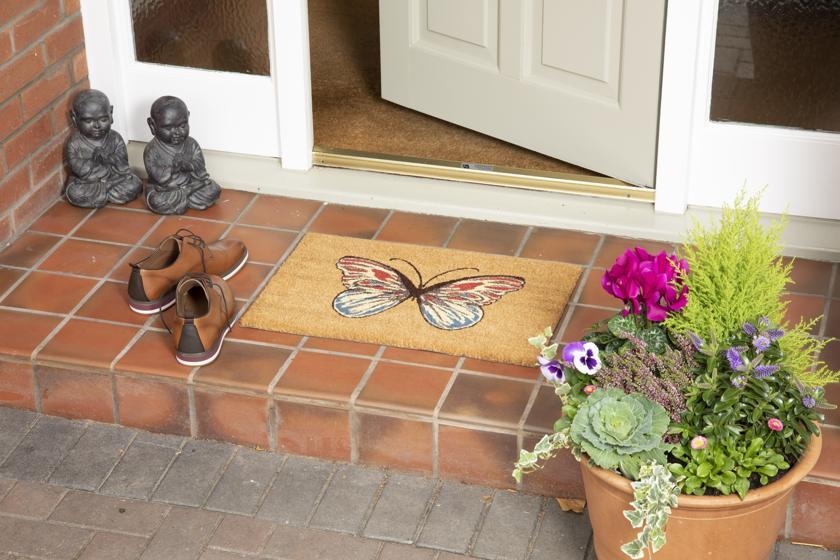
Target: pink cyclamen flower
x=699 y=442
x=589 y=389
x=775 y=424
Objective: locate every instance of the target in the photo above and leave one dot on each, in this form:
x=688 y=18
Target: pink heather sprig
x=646 y=283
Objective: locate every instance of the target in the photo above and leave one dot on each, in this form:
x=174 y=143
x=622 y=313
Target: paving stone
x=395 y=551
x=508 y=526
x=41 y=539
x=139 y=471
x=242 y=534
x=32 y=499
x=6 y=485
x=348 y=498
x=312 y=544
x=110 y=514
x=454 y=517
x=14 y=424
x=37 y=455
x=88 y=463
x=562 y=534
x=400 y=509
x=245 y=481
x=214 y=554
x=182 y=535
x=787 y=551
x=295 y=491
x=192 y=475
x=110 y=546
x=164 y=440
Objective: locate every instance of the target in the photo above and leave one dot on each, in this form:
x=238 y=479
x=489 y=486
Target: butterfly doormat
x=443 y=300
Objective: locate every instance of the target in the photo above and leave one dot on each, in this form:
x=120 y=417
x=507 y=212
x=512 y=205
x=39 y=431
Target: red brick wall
x=42 y=66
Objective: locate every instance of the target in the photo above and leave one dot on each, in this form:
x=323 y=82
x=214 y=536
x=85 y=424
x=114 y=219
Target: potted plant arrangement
x=694 y=411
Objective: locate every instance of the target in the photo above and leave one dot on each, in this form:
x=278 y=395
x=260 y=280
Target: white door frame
x=289 y=61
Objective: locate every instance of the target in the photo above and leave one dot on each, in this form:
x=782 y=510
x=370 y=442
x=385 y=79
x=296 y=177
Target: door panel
x=578 y=81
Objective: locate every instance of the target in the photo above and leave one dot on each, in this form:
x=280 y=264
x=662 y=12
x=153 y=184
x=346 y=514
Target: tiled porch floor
x=70 y=346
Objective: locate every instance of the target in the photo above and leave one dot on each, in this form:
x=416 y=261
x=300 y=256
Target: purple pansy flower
x=552 y=370
x=583 y=356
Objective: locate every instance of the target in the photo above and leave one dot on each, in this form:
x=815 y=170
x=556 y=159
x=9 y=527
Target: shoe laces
x=194 y=240
x=209 y=285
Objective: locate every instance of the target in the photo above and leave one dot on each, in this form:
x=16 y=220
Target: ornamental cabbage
x=621 y=431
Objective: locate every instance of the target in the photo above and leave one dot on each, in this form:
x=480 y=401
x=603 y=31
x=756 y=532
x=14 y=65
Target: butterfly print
x=374 y=287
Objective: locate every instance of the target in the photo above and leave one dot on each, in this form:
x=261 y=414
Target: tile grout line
x=575 y=299
x=271 y=484
x=538 y=523
x=354 y=420
x=436 y=413
x=485 y=511
x=827 y=305
x=317 y=503
x=382 y=225
x=523 y=242
x=119 y=459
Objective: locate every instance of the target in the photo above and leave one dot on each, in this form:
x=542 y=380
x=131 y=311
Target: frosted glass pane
x=777 y=62
x=227 y=35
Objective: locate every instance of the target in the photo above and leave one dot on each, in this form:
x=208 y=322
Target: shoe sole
x=168 y=300
x=204 y=358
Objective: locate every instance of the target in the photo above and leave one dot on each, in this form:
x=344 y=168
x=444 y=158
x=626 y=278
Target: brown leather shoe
x=204 y=309
x=151 y=286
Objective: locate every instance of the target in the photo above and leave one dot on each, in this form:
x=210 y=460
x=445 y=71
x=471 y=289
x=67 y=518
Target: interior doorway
x=350 y=117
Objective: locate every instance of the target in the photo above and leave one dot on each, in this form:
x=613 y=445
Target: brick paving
x=85 y=491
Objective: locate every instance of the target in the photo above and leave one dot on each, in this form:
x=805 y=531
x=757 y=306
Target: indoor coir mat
x=444 y=300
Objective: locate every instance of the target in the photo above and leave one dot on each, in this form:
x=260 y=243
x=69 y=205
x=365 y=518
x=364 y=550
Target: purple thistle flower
x=739 y=381
x=765 y=370
x=551 y=369
x=761 y=342
x=808 y=401
x=736 y=362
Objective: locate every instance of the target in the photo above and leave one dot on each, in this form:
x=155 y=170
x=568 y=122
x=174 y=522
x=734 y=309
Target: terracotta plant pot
x=719 y=527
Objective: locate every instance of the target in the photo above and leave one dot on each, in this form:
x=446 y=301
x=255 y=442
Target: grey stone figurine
x=178 y=178
x=96 y=156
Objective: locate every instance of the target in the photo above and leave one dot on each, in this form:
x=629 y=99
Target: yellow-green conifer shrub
x=737 y=275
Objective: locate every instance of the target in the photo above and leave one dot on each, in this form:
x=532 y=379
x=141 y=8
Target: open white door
x=578 y=81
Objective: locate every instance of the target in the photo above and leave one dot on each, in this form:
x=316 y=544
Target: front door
x=578 y=81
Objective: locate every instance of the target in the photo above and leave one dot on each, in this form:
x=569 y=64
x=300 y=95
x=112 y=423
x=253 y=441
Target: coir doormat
x=410 y=296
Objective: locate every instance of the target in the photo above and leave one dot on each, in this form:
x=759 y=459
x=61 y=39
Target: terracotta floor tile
x=559 y=477
x=458 y=449
x=828 y=465
x=582 y=320
x=8 y=276
x=594 y=294
x=487 y=237
x=208 y=230
x=17 y=386
x=244 y=366
x=154 y=353
x=153 y=405
x=402 y=386
x=341 y=346
x=486 y=400
x=240 y=419
x=61 y=218
x=315 y=431
x=28 y=249
x=264 y=245
x=832 y=321
x=117 y=225
x=21 y=333
x=613 y=247
x=561 y=245
x=245 y=282
x=504 y=370
x=280 y=212
x=396 y=443
x=322 y=376
x=123 y=271
x=350 y=221
x=86 y=258
x=72 y=344
x=422 y=357
x=547 y=408
x=419 y=229
x=805 y=307
x=55 y=293
x=110 y=303
x=810 y=277
x=227 y=208
x=269 y=337
x=832 y=393
x=73 y=394
x=815 y=514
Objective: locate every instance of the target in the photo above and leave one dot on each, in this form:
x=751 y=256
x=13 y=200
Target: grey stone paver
x=242 y=534
x=508 y=526
x=400 y=509
x=294 y=493
x=214 y=554
x=396 y=551
x=194 y=472
x=14 y=424
x=245 y=481
x=347 y=499
x=163 y=440
x=311 y=544
x=110 y=514
x=93 y=457
x=139 y=470
x=41 y=539
x=41 y=449
x=6 y=485
x=454 y=517
x=32 y=499
x=182 y=535
x=110 y=546
x=561 y=534
x=787 y=551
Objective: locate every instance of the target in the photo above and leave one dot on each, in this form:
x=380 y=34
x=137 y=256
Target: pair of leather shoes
x=189 y=273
